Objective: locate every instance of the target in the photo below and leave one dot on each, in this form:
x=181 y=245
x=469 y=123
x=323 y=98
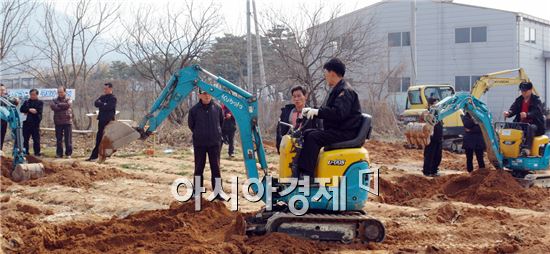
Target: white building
x=455 y=43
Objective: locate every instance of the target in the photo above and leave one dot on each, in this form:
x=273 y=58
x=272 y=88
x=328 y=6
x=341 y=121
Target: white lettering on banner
x=45 y=94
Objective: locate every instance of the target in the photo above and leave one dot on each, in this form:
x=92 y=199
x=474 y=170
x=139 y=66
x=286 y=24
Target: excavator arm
x=242 y=104
x=479 y=112
x=495 y=79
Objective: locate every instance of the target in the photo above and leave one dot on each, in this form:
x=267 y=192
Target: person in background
x=228 y=130
x=62 y=119
x=434 y=151
x=292 y=114
x=31 y=126
x=472 y=142
x=106 y=104
x=205 y=121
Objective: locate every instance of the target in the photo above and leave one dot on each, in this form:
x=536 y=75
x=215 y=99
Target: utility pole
x=263 y=82
x=249 y=74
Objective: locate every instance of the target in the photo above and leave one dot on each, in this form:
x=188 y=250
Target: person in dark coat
x=33 y=108
x=527 y=108
x=472 y=142
x=292 y=114
x=63 y=120
x=106 y=104
x=340 y=113
x=433 y=152
x=228 y=130
x=205 y=121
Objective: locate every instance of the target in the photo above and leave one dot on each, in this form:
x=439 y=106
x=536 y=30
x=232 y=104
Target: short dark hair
x=298 y=88
x=336 y=66
x=1 y=84
x=34 y=90
x=109 y=85
x=525 y=86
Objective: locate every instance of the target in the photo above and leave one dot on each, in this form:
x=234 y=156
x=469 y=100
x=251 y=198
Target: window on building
x=405 y=39
x=394 y=85
x=405 y=83
x=530 y=34
x=471 y=34
x=462 y=83
x=462 y=35
x=479 y=34
x=394 y=39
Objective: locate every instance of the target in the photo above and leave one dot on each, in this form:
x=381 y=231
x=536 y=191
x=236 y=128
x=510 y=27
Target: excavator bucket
x=27 y=171
x=418 y=134
x=116 y=135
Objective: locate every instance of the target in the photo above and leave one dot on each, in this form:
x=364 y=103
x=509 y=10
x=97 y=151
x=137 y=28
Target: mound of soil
x=449 y=213
x=178 y=229
x=72 y=174
x=487 y=187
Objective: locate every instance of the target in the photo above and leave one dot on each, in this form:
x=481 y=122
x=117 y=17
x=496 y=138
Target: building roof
x=519 y=14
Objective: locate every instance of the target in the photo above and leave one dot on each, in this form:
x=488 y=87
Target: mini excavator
x=347 y=164
x=503 y=141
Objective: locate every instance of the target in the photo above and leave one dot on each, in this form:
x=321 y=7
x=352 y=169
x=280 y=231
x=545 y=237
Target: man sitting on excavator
x=340 y=113
x=527 y=108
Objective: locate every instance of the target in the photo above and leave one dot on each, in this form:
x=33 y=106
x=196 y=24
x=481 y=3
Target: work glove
x=309 y=113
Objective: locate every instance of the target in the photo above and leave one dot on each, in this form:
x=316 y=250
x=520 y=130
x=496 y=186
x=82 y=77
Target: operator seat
x=359 y=140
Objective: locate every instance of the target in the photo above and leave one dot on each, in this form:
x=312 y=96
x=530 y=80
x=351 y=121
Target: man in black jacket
x=527 y=108
x=292 y=114
x=205 y=121
x=106 y=104
x=31 y=126
x=340 y=113
x=472 y=142
x=433 y=152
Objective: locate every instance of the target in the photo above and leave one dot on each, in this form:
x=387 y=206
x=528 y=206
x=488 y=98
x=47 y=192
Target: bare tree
x=14 y=15
x=71 y=47
x=159 y=46
x=304 y=42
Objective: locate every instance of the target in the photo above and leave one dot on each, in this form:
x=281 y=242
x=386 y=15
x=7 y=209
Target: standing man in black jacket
x=106 y=104
x=340 y=113
x=472 y=142
x=433 y=152
x=205 y=121
x=31 y=126
x=527 y=108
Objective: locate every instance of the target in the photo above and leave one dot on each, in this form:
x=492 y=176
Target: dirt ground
x=125 y=206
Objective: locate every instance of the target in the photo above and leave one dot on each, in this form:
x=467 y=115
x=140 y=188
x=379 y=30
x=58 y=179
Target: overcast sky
x=233 y=11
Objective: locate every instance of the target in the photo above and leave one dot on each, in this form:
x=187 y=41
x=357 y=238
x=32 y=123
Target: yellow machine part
x=510 y=142
x=330 y=163
x=538 y=142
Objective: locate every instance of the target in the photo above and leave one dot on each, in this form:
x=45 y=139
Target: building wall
x=532 y=55
x=439 y=59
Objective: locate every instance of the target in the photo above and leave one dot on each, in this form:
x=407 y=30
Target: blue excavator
x=336 y=215
x=21 y=169
x=503 y=139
